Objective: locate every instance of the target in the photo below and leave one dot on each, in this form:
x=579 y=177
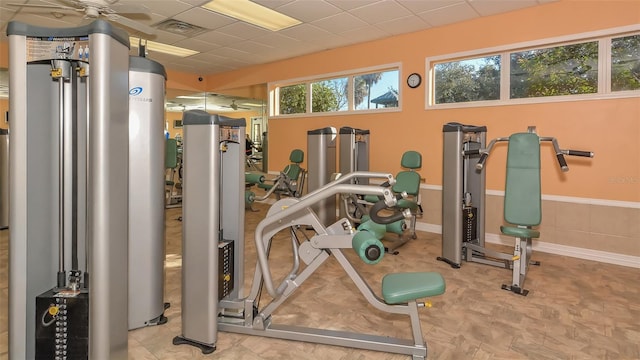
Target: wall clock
x=414 y=80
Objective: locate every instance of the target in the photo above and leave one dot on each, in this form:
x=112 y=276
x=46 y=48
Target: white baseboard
x=556 y=249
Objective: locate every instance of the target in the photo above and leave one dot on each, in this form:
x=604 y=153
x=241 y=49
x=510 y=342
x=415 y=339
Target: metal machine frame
x=68 y=181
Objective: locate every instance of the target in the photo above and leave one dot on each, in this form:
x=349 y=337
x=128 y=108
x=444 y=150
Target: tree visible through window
x=561 y=70
x=557 y=70
x=625 y=63
x=373 y=90
x=468 y=80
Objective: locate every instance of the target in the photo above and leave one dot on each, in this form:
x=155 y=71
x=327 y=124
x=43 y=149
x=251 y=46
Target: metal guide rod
x=58 y=70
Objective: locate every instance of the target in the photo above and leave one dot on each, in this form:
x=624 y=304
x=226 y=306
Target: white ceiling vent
x=180 y=27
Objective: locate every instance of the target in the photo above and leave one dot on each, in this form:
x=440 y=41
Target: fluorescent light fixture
x=162 y=48
x=252 y=13
x=191 y=97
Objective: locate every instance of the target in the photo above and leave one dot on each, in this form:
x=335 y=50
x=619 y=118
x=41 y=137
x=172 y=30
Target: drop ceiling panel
x=340 y=23
x=491 y=7
x=305 y=32
x=243 y=30
x=381 y=11
x=450 y=14
x=352 y=4
x=204 y=18
x=308 y=11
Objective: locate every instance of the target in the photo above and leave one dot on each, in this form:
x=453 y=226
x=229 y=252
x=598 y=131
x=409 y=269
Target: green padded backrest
x=407 y=181
x=292 y=171
x=411 y=160
x=522 y=204
x=297 y=156
x=171 y=154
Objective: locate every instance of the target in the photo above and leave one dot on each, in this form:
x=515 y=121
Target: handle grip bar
x=578 y=153
x=562 y=162
x=384 y=220
x=471 y=152
x=482 y=160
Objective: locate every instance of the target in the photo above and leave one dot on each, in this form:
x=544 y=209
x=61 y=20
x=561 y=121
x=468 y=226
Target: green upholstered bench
x=401 y=288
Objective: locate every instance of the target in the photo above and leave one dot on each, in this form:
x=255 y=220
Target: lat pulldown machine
x=69 y=200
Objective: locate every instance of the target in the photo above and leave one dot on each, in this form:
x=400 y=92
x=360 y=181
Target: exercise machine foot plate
x=516 y=290
x=206 y=349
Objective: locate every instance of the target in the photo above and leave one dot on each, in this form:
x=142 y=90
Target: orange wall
x=4 y=107
x=610 y=127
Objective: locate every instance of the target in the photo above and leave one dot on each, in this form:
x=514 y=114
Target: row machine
x=213 y=250
x=86 y=192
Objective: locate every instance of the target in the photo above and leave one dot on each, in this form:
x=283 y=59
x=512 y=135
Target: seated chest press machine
x=213 y=251
x=463 y=203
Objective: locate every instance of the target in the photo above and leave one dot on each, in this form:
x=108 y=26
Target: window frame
x=603 y=37
x=274 y=92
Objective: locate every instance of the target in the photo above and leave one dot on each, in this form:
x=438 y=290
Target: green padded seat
x=400 y=288
x=520 y=232
x=292 y=171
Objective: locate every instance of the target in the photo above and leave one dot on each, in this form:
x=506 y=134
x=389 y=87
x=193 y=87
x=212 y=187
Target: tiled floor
x=577 y=309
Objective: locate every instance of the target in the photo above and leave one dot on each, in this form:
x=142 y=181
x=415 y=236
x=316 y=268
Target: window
x=625 y=63
x=560 y=70
x=329 y=95
x=293 y=99
x=467 y=80
x=604 y=64
x=376 y=90
x=373 y=89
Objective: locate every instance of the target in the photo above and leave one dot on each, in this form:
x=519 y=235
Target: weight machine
x=522 y=202
x=69 y=161
x=213 y=250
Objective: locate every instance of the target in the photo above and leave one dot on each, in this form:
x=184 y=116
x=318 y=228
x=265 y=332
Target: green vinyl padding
x=378 y=230
x=253 y=178
x=292 y=171
x=296 y=156
x=407 y=181
x=249 y=197
x=171 y=154
x=397 y=227
x=400 y=288
x=362 y=241
x=520 y=232
x=522 y=204
x=411 y=160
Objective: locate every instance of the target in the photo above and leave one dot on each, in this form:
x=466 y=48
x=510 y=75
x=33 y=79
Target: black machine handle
x=384 y=220
x=579 y=153
x=471 y=152
x=482 y=160
x=562 y=162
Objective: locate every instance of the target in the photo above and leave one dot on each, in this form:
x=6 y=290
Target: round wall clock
x=414 y=80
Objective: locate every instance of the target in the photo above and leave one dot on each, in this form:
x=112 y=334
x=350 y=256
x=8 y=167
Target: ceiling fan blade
x=130 y=9
x=131 y=24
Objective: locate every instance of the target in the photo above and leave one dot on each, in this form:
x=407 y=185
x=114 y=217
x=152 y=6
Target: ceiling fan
x=94 y=9
x=235 y=106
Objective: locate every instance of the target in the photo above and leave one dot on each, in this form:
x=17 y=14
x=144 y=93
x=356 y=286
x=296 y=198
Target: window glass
x=293 y=99
x=467 y=80
x=329 y=95
x=625 y=63
x=376 y=90
x=561 y=70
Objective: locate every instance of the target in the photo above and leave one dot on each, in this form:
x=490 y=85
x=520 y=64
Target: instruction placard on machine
x=51 y=48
